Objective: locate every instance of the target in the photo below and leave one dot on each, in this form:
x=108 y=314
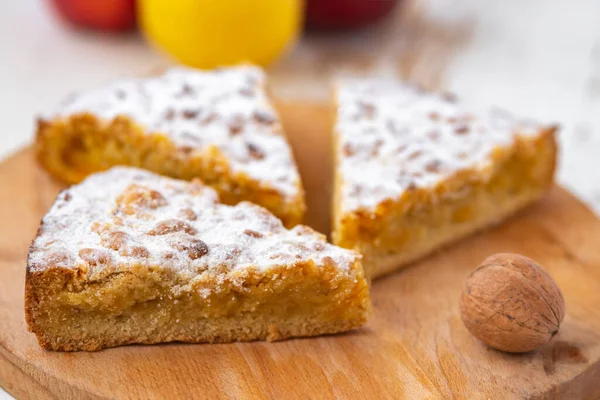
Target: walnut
x=119 y=241
x=434 y=135
x=233 y=253
x=60 y=258
x=170 y=226
x=434 y=116
x=208 y=118
x=414 y=155
x=328 y=262
x=236 y=124
x=95 y=257
x=115 y=240
x=348 y=150
x=246 y=92
x=376 y=147
x=186 y=90
x=136 y=251
x=195 y=187
x=190 y=114
x=254 y=234
x=188 y=214
x=511 y=304
x=186 y=150
x=449 y=97
x=255 y=152
x=303 y=230
x=433 y=166
x=462 y=129
x=137 y=197
x=195 y=248
x=367 y=110
x=169 y=114
x=264 y=117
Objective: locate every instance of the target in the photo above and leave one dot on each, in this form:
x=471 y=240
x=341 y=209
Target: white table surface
x=540 y=58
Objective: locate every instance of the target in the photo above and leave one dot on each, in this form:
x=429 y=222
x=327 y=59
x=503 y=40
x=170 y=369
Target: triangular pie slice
x=218 y=126
x=128 y=256
x=416 y=171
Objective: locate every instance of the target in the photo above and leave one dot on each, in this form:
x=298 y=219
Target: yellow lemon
x=212 y=33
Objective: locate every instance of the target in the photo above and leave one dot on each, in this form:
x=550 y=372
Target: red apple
x=345 y=14
x=106 y=15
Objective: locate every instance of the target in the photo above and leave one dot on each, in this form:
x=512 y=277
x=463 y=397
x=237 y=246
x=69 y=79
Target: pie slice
x=217 y=126
x=415 y=171
x=128 y=256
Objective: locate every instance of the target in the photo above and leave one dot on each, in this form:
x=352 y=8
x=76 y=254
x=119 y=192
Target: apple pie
x=128 y=256
x=416 y=170
x=218 y=126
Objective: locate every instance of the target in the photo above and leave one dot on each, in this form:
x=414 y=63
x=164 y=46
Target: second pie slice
x=416 y=170
x=218 y=126
x=129 y=256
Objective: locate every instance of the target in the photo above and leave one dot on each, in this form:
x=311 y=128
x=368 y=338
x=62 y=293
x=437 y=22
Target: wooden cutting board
x=414 y=346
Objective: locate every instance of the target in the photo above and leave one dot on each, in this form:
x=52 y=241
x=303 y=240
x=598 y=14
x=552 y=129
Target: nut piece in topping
x=171 y=226
x=188 y=214
x=264 y=117
x=255 y=152
x=113 y=239
x=511 y=304
x=195 y=248
x=95 y=256
x=254 y=234
x=137 y=197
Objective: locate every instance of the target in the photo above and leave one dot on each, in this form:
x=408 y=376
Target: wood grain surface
x=414 y=346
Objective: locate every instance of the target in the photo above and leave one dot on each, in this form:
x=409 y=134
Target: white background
x=538 y=57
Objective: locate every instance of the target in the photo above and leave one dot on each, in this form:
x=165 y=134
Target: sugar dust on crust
x=227 y=108
x=416 y=171
x=127 y=216
x=162 y=258
x=218 y=126
x=394 y=137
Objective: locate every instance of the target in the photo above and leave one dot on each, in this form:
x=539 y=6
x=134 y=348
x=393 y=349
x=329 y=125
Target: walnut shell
x=511 y=303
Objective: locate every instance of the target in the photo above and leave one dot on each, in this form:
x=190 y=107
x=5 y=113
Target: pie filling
x=140 y=302
x=76 y=147
x=460 y=205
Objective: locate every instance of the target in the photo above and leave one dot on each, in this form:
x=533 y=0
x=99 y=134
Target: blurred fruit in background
x=105 y=15
x=345 y=14
x=211 y=33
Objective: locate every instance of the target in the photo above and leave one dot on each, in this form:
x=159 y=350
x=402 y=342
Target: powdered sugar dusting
x=227 y=108
x=126 y=217
x=394 y=137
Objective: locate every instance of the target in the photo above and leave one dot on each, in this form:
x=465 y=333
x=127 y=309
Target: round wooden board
x=414 y=346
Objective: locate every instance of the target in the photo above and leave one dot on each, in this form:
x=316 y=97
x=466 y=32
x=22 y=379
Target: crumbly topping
x=394 y=137
x=227 y=108
x=125 y=217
